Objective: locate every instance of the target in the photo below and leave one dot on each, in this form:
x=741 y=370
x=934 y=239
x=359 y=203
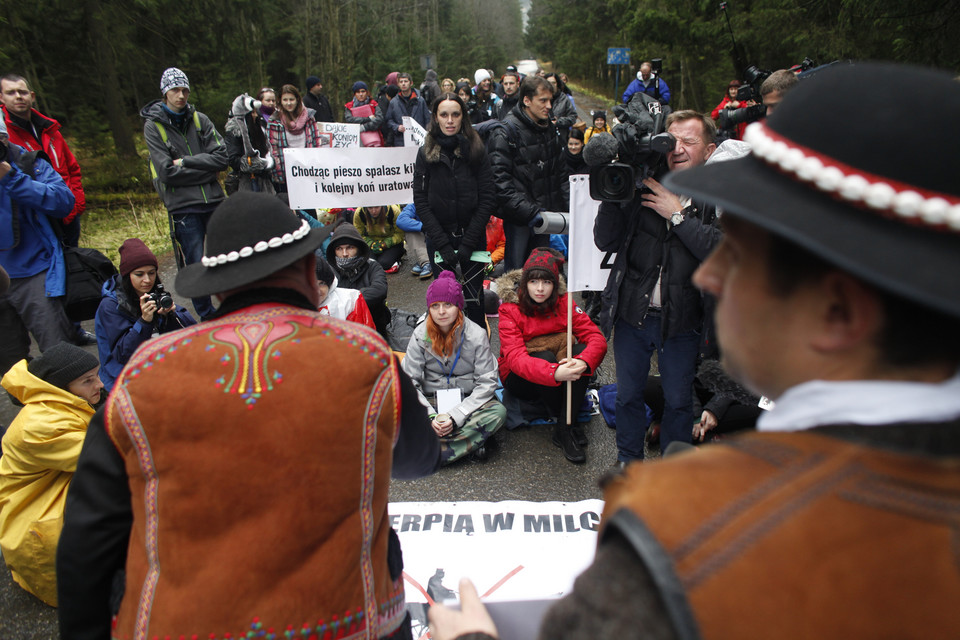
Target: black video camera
x=634 y=151
x=161 y=296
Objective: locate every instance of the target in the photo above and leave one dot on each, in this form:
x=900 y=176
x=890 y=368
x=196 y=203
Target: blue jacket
x=38 y=198
x=408 y=219
x=637 y=86
x=120 y=329
x=414 y=106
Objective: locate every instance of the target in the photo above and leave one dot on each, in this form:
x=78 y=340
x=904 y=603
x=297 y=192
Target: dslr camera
x=161 y=296
x=634 y=151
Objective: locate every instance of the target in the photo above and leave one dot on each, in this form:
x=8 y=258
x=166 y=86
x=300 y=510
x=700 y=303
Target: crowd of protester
x=495 y=161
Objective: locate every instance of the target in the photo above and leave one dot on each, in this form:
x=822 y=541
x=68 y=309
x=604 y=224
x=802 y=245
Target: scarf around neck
x=295 y=126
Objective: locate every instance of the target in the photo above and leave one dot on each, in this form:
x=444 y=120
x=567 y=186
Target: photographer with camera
x=134 y=308
x=758 y=103
x=660 y=239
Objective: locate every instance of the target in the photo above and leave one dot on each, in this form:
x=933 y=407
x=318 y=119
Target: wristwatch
x=676 y=218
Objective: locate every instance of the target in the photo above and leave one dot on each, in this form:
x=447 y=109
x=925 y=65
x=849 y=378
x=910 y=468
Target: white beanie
x=481 y=75
x=173 y=78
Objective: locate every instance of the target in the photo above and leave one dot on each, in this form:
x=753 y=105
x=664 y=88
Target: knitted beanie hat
x=312 y=81
x=325 y=272
x=62 y=363
x=134 y=254
x=481 y=75
x=445 y=289
x=359 y=84
x=173 y=78
x=544 y=259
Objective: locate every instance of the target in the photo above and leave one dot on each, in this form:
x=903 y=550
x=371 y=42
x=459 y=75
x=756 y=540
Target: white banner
x=511 y=550
x=413 y=133
x=588 y=267
x=351 y=177
x=339 y=135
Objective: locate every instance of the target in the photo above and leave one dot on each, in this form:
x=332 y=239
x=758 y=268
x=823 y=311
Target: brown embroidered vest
x=258 y=448
x=797 y=536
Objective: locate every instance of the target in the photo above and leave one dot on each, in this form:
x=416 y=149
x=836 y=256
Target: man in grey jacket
x=186 y=154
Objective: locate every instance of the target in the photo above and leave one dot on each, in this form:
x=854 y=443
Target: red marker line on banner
x=502 y=580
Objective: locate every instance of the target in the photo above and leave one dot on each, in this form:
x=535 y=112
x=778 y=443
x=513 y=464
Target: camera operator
x=660 y=239
x=777 y=85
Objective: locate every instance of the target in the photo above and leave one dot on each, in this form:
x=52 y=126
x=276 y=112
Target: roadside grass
x=105 y=227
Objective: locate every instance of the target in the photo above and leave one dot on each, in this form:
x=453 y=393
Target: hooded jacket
x=528 y=168
x=454 y=193
x=40 y=451
x=204 y=154
x=367 y=275
x=471 y=368
x=379 y=233
x=59 y=154
x=121 y=329
x=517 y=329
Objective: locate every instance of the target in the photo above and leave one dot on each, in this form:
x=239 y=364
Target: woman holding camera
x=453 y=191
x=450 y=363
x=133 y=309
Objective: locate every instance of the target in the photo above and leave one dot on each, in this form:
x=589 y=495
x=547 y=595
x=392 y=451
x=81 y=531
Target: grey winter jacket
x=475 y=372
x=202 y=149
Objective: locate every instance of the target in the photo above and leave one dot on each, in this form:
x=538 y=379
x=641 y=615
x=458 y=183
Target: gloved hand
x=535 y=221
x=449 y=257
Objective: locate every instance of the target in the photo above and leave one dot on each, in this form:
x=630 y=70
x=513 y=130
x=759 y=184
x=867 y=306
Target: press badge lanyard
x=455 y=360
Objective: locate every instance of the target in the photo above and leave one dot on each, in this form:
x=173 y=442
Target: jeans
x=677 y=359
x=521 y=240
x=191 y=229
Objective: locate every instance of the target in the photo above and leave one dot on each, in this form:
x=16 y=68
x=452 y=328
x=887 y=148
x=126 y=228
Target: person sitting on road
x=133 y=309
x=58 y=391
x=340 y=302
x=350 y=258
x=450 y=354
x=534 y=362
x=378 y=227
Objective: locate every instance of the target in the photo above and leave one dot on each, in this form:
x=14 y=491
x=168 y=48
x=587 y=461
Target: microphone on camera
x=602 y=149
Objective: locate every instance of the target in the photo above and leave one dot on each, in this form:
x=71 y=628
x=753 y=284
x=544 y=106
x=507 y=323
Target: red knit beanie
x=549 y=260
x=134 y=254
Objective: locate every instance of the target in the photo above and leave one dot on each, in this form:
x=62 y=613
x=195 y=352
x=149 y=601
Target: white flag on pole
x=585 y=268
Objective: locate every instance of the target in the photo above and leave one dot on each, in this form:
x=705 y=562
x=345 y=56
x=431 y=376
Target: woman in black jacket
x=453 y=191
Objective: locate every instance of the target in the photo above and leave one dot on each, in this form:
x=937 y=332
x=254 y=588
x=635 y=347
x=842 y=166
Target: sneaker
x=415 y=270
x=394 y=268
x=563 y=438
x=426 y=271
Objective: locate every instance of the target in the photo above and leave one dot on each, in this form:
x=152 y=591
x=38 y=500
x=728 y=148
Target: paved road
x=527 y=465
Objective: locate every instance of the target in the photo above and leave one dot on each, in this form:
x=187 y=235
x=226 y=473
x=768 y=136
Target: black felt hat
x=857 y=175
x=249 y=236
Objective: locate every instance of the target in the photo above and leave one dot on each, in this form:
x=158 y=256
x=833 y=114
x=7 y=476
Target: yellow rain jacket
x=40 y=451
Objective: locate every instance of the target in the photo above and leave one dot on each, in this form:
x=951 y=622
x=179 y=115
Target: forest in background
x=95 y=63
x=694 y=40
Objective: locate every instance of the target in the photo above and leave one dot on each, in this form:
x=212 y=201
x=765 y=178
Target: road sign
x=428 y=61
x=619 y=55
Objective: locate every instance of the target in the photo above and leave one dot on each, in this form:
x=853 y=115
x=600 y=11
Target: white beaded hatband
x=260 y=247
x=899 y=199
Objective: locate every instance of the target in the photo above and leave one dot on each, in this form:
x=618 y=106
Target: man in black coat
x=314 y=99
x=528 y=169
x=660 y=239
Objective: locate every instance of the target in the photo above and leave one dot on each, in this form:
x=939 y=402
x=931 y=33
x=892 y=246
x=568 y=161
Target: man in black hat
x=838 y=297
x=245 y=462
x=314 y=99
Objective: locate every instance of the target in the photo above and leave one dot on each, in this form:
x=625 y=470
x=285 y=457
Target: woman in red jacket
x=533 y=360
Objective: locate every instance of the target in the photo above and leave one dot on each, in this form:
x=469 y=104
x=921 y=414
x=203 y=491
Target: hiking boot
x=579 y=435
x=563 y=438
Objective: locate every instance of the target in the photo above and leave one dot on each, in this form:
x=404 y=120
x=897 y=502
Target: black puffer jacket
x=643 y=242
x=528 y=168
x=454 y=193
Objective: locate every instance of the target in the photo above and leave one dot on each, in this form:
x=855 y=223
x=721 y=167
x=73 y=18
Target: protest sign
x=588 y=267
x=510 y=550
x=413 y=133
x=341 y=134
x=349 y=177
